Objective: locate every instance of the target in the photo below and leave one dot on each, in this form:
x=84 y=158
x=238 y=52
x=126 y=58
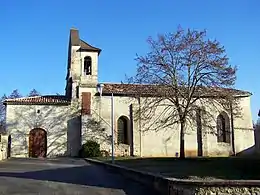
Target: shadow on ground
x=87 y=175
x=236 y=168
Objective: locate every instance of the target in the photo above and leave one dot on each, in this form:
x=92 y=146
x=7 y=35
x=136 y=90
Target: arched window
x=223 y=128
x=122 y=130
x=87 y=65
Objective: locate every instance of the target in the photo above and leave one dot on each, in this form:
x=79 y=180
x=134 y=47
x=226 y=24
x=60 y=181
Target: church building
x=57 y=125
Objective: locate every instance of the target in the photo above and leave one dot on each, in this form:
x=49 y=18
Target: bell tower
x=82 y=70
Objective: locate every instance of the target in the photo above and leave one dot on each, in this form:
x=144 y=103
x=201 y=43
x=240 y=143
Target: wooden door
x=37 y=143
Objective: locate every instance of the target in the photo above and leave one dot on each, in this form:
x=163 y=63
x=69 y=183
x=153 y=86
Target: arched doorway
x=37 y=143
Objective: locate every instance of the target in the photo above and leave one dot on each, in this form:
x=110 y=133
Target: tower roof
x=76 y=41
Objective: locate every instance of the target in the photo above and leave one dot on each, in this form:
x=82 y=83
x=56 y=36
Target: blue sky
x=34 y=37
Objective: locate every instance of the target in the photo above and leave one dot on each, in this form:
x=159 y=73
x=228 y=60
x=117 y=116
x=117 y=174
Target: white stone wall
x=21 y=119
x=101 y=111
x=165 y=142
x=244 y=132
x=159 y=142
x=66 y=130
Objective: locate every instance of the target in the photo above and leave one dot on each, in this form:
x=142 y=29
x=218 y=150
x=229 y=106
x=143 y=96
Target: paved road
x=64 y=177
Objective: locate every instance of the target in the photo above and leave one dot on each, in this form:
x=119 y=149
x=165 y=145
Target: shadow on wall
x=257 y=138
x=51 y=118
x=92 y=129
x=247 y=152
x=254 y=150
x=74 y=135
x=82 y=128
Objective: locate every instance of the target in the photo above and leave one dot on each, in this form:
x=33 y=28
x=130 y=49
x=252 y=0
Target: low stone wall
x=169 y=186
x=221 y=187
x=229 y=190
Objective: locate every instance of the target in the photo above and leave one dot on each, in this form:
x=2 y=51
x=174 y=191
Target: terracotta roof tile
x=150 y=90
x=47 y=99
x=128 y=89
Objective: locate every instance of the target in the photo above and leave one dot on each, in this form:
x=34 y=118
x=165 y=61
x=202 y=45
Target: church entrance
x=37 y=143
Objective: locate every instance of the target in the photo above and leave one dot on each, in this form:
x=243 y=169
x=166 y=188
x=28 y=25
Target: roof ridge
x=127 y=89
x=21 y=98
x=37 y=96
x=45 y=99
x=127 y=84
x=169 y=85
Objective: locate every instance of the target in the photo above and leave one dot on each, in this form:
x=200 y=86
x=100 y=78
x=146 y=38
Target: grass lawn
x=196 y=168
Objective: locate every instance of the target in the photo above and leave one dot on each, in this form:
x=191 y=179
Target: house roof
x=152 y=90
x=40 y=100
x=76 y=41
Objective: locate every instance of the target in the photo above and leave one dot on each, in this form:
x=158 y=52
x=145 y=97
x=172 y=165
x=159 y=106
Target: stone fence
x=218 y=187
x=170 y=186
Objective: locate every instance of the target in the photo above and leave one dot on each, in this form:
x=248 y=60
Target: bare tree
x=2 y=112
x=33 y=93
x=182 y=71
x=15 y=94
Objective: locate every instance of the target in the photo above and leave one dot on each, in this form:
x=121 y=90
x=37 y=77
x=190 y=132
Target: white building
x=57 y=125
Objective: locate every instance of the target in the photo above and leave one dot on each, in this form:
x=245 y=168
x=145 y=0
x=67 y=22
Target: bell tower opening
x=82 y=68
x=87 y=65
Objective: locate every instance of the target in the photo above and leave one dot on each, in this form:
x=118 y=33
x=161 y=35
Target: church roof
x=40 y=100
x=156 y=90
x=76 y=41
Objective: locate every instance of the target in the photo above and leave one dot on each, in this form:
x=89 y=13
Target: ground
x=63 y=176
x=197 y=168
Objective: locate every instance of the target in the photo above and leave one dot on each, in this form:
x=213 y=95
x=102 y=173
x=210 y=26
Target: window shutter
x=86 y=103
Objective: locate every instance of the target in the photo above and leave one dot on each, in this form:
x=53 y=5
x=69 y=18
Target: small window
x=87 y=65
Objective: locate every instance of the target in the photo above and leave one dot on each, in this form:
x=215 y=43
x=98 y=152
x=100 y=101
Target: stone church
x=57 y=125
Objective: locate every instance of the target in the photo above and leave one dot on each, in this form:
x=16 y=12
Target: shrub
x=90 y=149
x=104 y=153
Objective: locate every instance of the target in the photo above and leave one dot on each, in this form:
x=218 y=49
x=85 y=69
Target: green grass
x=207 y=168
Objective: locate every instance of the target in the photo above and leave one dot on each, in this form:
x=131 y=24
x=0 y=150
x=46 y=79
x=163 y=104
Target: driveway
x=63 y=176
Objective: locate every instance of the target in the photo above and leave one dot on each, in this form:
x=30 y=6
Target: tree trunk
x=182 y=149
